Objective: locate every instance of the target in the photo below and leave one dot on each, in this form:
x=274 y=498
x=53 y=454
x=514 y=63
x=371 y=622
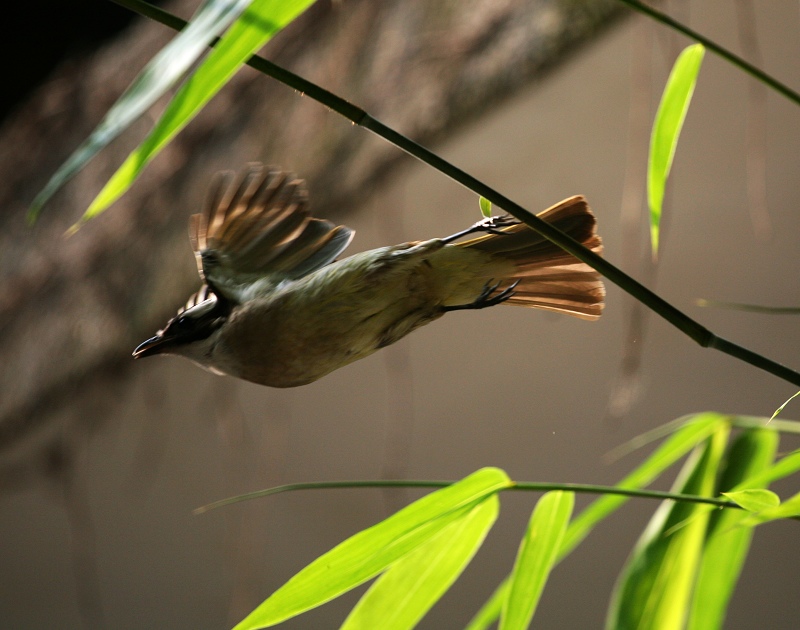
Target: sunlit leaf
x=787 y=509
x=754 y=422
x=661 y=432
x=781 y=408
x=536 y=557
x=486 y=207
x=782 y=468
x=687 y=433
x=371 y=551
x=754 y=500
x=696 y=429
x=666 y=130
x=726 y=545
x=158 y=76
x=259 y=23
x=408 y=589
x=654 y=589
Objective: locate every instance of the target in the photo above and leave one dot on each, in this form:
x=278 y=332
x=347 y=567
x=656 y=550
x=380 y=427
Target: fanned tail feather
x=548 y=277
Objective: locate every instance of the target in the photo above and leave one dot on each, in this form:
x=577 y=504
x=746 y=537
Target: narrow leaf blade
x=666 y=131
x=158 y=76
x=536 y=558
x=787 y=509
x=754 y=500
x=783 y=406
x=486 y=207
x=696 y=429
x=693 y=430
x=784 y=467
x=726 y=545
x=654 y=589
x=257 y=25
x=408 y=589
x=372 y=550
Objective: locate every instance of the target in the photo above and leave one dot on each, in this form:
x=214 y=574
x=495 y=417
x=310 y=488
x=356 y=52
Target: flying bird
x=277 y=308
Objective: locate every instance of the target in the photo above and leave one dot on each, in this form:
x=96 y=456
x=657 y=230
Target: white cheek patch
x=201 y=309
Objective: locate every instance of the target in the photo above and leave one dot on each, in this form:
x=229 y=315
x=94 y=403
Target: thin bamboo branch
x=522 y=486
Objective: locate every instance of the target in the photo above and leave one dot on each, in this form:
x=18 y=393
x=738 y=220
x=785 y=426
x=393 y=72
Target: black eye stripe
x=197 y=322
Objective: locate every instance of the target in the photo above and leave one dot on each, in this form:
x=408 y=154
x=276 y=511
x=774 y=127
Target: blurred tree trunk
x=71 y=310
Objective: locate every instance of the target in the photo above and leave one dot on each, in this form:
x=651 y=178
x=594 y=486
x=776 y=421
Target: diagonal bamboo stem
x=677 y=318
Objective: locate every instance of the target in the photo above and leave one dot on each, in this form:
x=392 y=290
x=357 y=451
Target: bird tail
x=547 y=277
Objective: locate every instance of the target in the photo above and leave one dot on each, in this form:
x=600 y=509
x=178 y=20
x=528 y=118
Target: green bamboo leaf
x=781 y=408
x=536 y=558
x=659 y=433
x=780 y=469
x=692 y=431
x=754 y=422
x=696 y=429
x=371 y=551
x=666 y=130
x=486 y=207
x=654 y=589
x=726 y=545
x=754 y=500
x=787 y=509
x=257 y=25
x=158 y=76
x=408 y=589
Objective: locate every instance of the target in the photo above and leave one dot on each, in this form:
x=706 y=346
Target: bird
x=278 y=308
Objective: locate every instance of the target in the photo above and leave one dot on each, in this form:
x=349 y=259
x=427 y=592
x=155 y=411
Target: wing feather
x=255 y=227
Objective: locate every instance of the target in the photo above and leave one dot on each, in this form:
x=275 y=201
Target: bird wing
x=255 y=228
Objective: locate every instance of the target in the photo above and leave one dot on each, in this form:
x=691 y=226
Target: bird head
x=190 y=333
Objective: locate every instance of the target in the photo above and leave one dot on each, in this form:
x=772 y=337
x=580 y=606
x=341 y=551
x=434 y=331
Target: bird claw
x=485 y=299
x=489 y=225
x=492 y=225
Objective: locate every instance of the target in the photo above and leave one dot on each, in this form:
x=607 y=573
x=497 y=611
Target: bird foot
x=485 y=299
x=492 y=225
x=489 y=225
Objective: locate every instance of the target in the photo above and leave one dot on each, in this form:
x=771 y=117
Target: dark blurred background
x=102 y=460
x=48 y=34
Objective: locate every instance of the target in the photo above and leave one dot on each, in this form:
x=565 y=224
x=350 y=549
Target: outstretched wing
x=255 y=229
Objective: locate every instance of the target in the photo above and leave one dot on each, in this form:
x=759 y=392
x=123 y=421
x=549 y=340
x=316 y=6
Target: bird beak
x=154 y=345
